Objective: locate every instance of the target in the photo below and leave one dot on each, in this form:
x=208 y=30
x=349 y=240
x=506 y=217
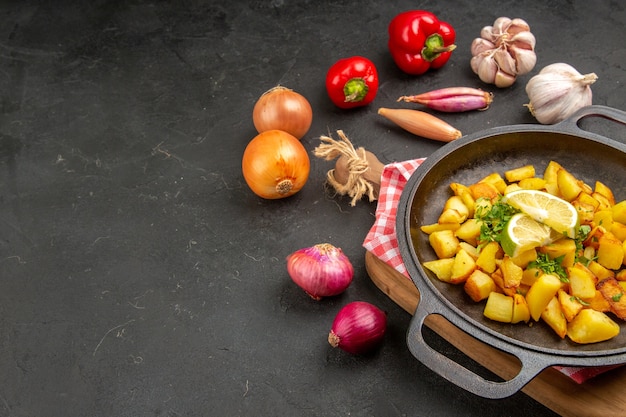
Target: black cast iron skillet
x=589 y=157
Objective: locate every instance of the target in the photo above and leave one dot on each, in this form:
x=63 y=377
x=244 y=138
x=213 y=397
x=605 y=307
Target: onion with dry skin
x=275 y=164
x=421 y=124
x=359 y=327
x=322 y=270
x=283 y=109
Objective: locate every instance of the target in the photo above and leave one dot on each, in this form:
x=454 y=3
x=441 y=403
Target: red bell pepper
x=419 y=41
x=352 y=82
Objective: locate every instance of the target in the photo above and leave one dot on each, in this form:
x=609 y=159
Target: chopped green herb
x=584 y=260
x=493 y=220
x=617 y=297
x=581 y=235
x=550 y=266
x=574 y=298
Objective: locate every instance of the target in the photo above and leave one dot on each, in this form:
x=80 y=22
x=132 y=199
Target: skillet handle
x=532 y=365
x=571 y=124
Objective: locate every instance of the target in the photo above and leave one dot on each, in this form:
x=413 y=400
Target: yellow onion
x=321 y=271
x=283 y=109
x=358 y=328
x=275 y=165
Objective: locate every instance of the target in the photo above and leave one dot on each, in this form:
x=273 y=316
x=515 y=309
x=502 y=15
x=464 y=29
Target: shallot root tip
x=333 y=339
x=355 y=185
x=488 y=101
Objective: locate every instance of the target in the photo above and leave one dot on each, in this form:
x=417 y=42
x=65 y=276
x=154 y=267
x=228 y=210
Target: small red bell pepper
x=419 y=41
x=352 y=82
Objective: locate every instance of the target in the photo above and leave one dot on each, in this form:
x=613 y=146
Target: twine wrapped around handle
x=357 y=171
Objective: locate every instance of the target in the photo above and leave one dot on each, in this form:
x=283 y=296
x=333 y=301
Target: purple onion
x=321 y=270
x=358 y=328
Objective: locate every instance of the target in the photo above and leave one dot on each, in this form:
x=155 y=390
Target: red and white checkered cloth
x=381 y=240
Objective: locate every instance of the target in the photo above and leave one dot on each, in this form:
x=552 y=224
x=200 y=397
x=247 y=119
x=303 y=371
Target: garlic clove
x=502 y=79
x=475 y=62
x=487 y=33
x=501 y=25
x=524 y=59
x=517 y=25
x=480 y=45
x=487 y=69
x=524 y=40
x=505 y=61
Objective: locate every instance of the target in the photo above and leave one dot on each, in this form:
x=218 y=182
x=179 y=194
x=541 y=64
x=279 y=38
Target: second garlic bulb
x=503 y=51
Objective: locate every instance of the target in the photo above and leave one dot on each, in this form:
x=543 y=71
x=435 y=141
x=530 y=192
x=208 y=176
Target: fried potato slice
x=614 y=294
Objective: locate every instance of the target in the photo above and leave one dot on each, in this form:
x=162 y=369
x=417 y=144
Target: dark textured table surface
x=139 y=276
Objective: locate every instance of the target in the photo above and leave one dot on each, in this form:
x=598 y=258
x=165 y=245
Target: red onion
x=321 y=270
x=358 y=327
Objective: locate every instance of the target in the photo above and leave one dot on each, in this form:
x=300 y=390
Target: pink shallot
x=453 y=99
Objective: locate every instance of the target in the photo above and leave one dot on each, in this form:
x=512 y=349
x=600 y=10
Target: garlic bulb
x=557 y=92
x=503 y=51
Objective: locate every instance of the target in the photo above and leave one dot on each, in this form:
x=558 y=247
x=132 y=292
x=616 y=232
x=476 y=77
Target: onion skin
x=275 y=165
x=321 y=271
x=358 y=328
x=283 y=109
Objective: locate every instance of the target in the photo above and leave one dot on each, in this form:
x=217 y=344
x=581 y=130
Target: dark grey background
x=139 y=276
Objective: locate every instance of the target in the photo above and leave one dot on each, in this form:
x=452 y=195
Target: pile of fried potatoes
x=582 y=306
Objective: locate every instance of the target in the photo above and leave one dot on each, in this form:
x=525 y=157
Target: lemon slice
x=547 y=209
x=523 y=233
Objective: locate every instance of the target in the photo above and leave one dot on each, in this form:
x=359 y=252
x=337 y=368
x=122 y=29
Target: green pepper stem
x=433 y=47
x=355 y=89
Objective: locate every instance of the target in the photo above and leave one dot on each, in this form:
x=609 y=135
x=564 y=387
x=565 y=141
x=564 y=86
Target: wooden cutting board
x=603 y=395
